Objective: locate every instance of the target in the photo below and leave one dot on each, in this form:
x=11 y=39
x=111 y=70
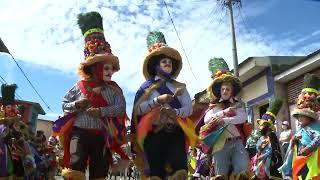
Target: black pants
x=18 y=169
x=165 y=147
x=285 y=148
x=88 y=146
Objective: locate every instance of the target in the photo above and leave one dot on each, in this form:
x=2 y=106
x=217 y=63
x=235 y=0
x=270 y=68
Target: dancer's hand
x=82 y=103
x=218 y=121
x=164 y=98
x=94 y=112
x=229 y=112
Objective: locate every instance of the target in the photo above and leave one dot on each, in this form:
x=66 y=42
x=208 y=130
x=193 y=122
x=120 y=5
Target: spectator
x=285 y=136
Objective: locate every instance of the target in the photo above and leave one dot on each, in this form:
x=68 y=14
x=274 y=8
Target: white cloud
x=46 y=33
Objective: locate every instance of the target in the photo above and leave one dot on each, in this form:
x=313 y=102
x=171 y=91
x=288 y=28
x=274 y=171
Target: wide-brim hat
x=267 y=117
x=168 y=51
x=106 y=58
x=267 y=121
x=262 y=121
x=305 y=112
x=215 y=86
x=157 y=46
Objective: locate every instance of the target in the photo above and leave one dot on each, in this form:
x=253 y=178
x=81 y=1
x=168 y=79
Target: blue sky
x=48 y=44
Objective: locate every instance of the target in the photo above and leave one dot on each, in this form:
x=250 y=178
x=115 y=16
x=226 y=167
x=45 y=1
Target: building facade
x=291 y=80
x=282 y=76
x=257 y=76
x=45 y=126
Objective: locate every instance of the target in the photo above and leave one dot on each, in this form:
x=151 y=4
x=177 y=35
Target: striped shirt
x=116 y=106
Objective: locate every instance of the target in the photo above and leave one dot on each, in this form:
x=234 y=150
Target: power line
x=24 y=74
x=179 y=39
x=3 y=81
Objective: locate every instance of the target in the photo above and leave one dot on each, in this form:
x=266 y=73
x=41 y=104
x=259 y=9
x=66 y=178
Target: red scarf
x=98 y=70
x=96 y=100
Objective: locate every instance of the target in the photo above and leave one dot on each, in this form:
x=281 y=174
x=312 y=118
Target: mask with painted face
x=226 y=91
x=166 y=65
x=264 y=129
x=164 y=68
x=103 y=72
x=107 y=72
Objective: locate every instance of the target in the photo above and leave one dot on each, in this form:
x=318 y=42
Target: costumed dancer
x=161 y=107
x=302 y=160
x=200 y=105
x=268 y=157
x=51 y=152
x=95 y=108
x=203 y=165
x=223 y=133
x=285 y=137
x=6 y=119
x=203 y=100
x=21 y=163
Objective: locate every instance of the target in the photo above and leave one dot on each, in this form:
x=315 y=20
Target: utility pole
x=229 y=4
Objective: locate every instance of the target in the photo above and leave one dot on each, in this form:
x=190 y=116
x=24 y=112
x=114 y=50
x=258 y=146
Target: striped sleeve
x=116 y=103
x=68 y=102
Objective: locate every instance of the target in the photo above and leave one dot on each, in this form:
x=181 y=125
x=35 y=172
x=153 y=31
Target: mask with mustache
x=163 y=74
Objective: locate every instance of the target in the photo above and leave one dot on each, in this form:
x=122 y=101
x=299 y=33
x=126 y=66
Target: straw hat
x=157 y=46
x=221 y=74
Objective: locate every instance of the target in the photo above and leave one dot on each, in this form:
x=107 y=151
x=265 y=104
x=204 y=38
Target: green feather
x=8 y=92
x=155 y=37
x=275 y=105
x=311 y=81
x=217 y=64
x=90 y=20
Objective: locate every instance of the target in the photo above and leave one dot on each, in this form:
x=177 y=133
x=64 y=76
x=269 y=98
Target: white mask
x=107 y=72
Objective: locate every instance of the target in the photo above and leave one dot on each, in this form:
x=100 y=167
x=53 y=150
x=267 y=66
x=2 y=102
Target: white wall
x=255 y=89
